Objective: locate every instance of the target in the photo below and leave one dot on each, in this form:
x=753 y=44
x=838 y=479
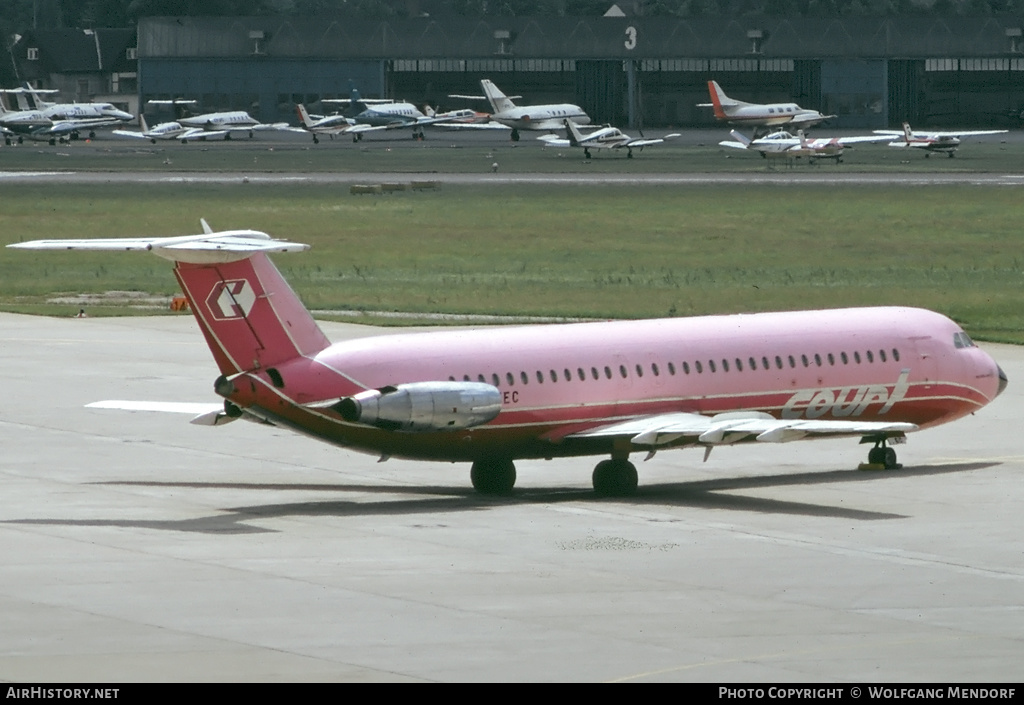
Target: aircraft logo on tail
x=231 y=299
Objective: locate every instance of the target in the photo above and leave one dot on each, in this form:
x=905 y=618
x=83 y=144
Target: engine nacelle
x=423 y=406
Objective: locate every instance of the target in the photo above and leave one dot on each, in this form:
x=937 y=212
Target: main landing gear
x=493 y=476
x=883 y=455
x=615 y=477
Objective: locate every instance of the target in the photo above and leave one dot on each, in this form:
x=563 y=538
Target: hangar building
x=629 y=71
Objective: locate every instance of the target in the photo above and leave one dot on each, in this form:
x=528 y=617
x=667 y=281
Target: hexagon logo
x=231 y=299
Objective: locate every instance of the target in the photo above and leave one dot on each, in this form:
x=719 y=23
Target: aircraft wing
x=809 y=119
x=665 y=429
x=860 y=139
x=456 y=125
x=130 y=133
x=554 y=141
x=734 y=145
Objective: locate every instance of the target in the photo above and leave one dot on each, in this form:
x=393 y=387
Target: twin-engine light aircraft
x=947 y=142
x=759 y=115
x=606 y=137
x=492 y=396
x=783 y=144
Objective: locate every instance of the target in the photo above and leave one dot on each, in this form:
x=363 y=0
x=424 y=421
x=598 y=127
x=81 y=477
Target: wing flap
x=723 y=429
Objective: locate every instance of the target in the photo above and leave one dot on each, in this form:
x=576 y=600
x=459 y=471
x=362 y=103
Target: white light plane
x=317 y=125
x=760 y=115
x=526 y=117
x=224 y=124
x=70 y=111
x=785 y=145
x=612 y=388
x=169 y=131
x=606 y=137
x=947 y=142
x=375 y=114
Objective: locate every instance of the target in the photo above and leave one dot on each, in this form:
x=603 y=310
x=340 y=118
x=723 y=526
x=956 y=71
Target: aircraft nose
x=1003 y=381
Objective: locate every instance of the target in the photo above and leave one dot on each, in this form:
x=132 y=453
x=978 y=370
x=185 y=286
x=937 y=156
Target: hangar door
x=601 y=91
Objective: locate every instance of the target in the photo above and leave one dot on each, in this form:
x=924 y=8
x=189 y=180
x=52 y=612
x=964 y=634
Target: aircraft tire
x=885 y=456
x=493 y=476
x=615 y=478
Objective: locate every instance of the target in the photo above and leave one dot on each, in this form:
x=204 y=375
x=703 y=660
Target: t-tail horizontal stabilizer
x=251 y=318
x=208 y=248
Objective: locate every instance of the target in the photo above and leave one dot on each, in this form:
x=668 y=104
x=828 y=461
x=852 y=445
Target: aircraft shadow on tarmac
x=703 y=494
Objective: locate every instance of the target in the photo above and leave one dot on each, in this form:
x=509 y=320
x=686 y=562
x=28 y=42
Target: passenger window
x=510 y=378
x=607 y=372
x=465 y=378
x=803 y=359
x=594 y=373
x=739 y=365
x=568 y=375
x=540 y=377
x=654 y=369
x=711 y=365
x=895 y=354
x=639 y=371
x=842 y=356
x=622 y=371
x=523 y=376
x=831 y=359
x=671 y=369
x=778 y=362
x=481 y=378
x=764 y=364
x=881 y=355
x=686 y=368
x=495 y=380
x=700 y=370
x=871 y=356
x=817 y=359
x=792 y=362
x=856 y=357
x=553 y=375
x=581 y=374
x=725 y=365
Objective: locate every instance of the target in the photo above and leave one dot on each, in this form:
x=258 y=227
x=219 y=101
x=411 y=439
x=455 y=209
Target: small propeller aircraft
x=783 y=144
x=946 y=142
x=606 y=137
x=759 y=115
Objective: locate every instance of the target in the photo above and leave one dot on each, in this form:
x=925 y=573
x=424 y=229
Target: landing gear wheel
x=615 y=478
x=493 y=476
x=885 y=456
x=515 y=135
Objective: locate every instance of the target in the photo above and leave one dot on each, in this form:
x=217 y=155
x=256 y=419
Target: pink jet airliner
x=495 y=395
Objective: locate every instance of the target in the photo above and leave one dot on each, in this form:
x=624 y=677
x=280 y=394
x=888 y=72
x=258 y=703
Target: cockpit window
x=962 y=340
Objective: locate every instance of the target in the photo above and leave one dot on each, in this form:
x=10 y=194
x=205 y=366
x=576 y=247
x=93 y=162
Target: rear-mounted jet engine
x=423 y=406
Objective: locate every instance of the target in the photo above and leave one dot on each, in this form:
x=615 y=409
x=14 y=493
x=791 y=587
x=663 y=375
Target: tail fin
x=498 y=100
x=908 y=134
x=355 y=101
x=740 y=137
x=304 y=115
x=249 y=315
x=573 y=133
x=142 y=122
x=720 y=101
